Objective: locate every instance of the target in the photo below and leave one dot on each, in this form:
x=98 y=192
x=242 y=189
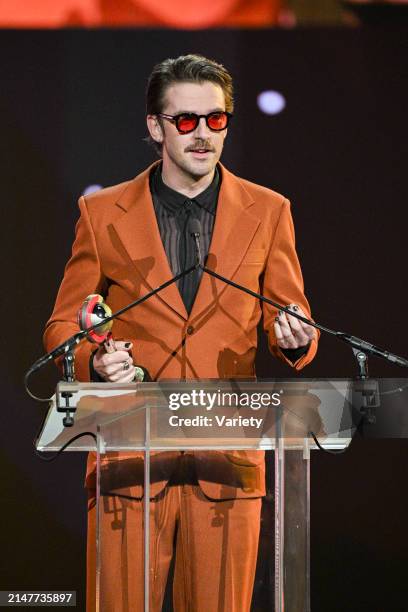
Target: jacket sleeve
x=82 y=277
x=283 y=283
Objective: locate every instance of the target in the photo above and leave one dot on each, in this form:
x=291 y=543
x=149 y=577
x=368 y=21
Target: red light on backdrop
x=184 y=14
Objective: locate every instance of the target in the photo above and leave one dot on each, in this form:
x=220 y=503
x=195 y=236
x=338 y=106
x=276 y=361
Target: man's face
x=195 y=154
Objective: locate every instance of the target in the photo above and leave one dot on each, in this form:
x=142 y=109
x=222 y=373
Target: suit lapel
x=139 y=233
x=234 y=229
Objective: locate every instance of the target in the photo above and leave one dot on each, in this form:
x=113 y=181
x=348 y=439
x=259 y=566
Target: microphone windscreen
x=194 y=226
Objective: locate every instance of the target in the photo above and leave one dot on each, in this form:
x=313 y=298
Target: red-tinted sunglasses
x=187 y=122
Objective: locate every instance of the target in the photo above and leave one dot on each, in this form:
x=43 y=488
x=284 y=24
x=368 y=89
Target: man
x=133 y=237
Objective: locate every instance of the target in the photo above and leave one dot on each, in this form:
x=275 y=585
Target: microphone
x=99 y=317
x=194 y=228
x=92 y=314
x=363 y=345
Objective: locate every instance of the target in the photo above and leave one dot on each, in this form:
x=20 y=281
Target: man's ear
x=155 y=128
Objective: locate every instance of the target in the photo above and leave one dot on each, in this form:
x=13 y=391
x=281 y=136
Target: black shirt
x=173 y=212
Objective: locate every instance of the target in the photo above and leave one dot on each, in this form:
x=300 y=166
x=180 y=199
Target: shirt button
x=190 y=330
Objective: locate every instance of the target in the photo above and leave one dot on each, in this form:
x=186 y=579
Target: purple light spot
x=271 y=102
x=91 y=189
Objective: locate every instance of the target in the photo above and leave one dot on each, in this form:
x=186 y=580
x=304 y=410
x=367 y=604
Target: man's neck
x=187 y=185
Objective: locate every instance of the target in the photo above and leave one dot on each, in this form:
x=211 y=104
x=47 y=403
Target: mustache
x=200 y=144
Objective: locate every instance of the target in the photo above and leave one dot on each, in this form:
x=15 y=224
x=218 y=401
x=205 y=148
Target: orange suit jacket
x=118 y=252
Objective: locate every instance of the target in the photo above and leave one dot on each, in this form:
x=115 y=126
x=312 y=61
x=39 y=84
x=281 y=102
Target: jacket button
x=190 y=330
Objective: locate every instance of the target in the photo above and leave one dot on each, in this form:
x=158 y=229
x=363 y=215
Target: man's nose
x=202 y=130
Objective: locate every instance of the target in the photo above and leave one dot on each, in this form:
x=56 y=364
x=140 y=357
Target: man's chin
x=201 y=168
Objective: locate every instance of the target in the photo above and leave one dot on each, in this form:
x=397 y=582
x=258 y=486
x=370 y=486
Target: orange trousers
x=215 y=545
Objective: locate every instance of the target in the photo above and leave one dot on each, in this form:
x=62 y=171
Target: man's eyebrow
x=190 y=112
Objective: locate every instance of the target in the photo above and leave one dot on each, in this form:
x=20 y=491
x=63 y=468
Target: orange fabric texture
x=216 y=552
x=118 y=252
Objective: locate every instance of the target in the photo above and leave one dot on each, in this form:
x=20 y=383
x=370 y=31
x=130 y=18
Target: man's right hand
x=117 y=366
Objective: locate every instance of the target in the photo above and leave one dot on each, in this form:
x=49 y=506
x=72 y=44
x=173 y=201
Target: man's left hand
x=291 y=333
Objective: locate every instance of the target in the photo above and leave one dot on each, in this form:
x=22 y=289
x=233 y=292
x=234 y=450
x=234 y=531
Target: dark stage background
x=71 y=115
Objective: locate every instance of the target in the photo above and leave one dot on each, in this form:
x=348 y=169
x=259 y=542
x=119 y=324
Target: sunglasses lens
x=217 y=121
x=187 y=123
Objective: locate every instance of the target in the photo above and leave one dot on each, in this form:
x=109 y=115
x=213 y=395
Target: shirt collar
x=173 y=200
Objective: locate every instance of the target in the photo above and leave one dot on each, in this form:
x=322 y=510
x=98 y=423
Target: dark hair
x=193 y=68
x=186 y=68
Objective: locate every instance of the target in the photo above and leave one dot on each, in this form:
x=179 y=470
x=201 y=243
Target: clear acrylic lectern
x=142 y=428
